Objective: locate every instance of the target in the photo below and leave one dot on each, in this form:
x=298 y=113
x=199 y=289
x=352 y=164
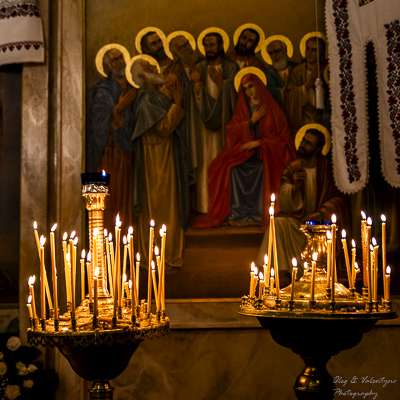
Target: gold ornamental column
x=95 y=193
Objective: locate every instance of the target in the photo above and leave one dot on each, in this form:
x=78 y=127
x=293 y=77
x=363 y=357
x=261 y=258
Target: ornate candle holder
x=318 y=328
x=98 y=345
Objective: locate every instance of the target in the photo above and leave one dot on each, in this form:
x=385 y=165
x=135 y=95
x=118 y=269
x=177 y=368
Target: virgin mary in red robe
x=245 y=174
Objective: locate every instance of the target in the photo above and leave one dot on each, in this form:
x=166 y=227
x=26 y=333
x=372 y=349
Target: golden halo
x=246 y=71
x=145 y=31
x=129 y=64
x=172 y=35
x=302 y=131
x=308 y=36
x=100 y=55
x=270 y=39
x=224 y=35
x=249 y=26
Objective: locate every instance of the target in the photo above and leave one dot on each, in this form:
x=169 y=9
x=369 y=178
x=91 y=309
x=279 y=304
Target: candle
x=42 y=272
x=159 y=269
x=252 y=267
x=96 y=295
x=117 y=271
x=364 y=247
x=370 y=266
x=132 y=271
x=66 y=271
x=31 y=282
x=266 y=270
x=137 y=273
x=125 y=242
x=73 y=273
x=130 y=290
x=353 y=262
x=255 y=281
x=294 y=274
x=109 y=265
x=89 y=277
x=368 y=241
x=387 y=284
x=130 y=237
x=356 y=271
x=153 y=274
x=163 y=249
x=29 y=305
x=346 y=257
x=70 y=276
x=272 y=222
x=54 y=270
x=261 y=285
x=151 y=238
x=269 y=255
x=314 y=267
x=305 y=267
x=328 y=258
x=83 y=254
x=272 y=280
x=111 y=270
x=333 y=270
x=383 y=219
x=375 y=270
x=126 y=286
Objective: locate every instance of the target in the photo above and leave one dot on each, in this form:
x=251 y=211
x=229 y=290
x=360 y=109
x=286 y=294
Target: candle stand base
x=101 y=389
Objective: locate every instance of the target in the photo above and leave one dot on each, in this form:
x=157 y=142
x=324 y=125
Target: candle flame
x=88 y=257
x=31 y=280
x=153 y=266
x=54 y=227
x=334 y=219
x=156 y=252
x=110 y=237
x=83 y=254
x=76 y=241
x=130 y=284
x=294 y=262
x=96 y=272
x=374 y=242
x=42 y=240
x=73 y=233
x=266 y=259
x=67 y=257
x=29 y=299
x=272 y=272
x=369 y=221
x=105 y=233
x=164 y=228
x=65 y=236
x=130 y=230
x=388 y=270
x=363 y=215
x=343 y=234
x=123 y=277
x=371 y=247
x=383 y=218
x=261 y=276
x=356 y=267
x=152 y=223
x=353 y=243
x=137 y=257
x=255 y=270
x=253 y=265
x=329 y=235
x=271 y=211
x=95 y=232
x=103 y=173
x=124 y=240
x=35 y=225
x=273 y=198
x=305 y=266
x=117 y=220
x=315 y=256
x=161 y=232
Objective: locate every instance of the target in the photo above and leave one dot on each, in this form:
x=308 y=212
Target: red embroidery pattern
x=347 y=94
x=19 y=45
x=393 y=82
x=19 y=10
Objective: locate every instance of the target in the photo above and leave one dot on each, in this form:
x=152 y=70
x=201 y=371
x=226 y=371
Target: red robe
x=275 y=151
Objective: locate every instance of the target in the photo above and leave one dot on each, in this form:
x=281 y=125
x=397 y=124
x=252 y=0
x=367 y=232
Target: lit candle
x=153 y=274
x=137 y=273
x=370 y=267
x=29 y=305
x=387 y=284
x=314 y=267
x=269 y=254
x=126 y=285
x=383 y=219
x=54 y=270
x=305 y=267
x=96 y=295
x=73 y=272
x=130 y=290
x=255 y=281
x=266 y=270
x=130 y=238
x=89 y=277
x=294 y=274
x=132 y=270
x=163 y=249
x=272 y=280
x=159 y=269
x=42 y=272
x=353 y=262
x=151 y=238
x=111 y=270
x=252 y=267
x=356 y=271
x=260 y=285
x=364 y=247
x=272 y=222
x=368 y=241
x=273 y=200
x=70 y=276
x=125 y=242
x=109 y=265
x=117 y=266
x=83 y=254
x=346 y=257
x=31 y=282
x=66 y=271
x=328 y=258
x=375 y=270
x=333 y=271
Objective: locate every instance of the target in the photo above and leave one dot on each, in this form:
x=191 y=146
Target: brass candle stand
x=319 y=328
x=98 y=347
